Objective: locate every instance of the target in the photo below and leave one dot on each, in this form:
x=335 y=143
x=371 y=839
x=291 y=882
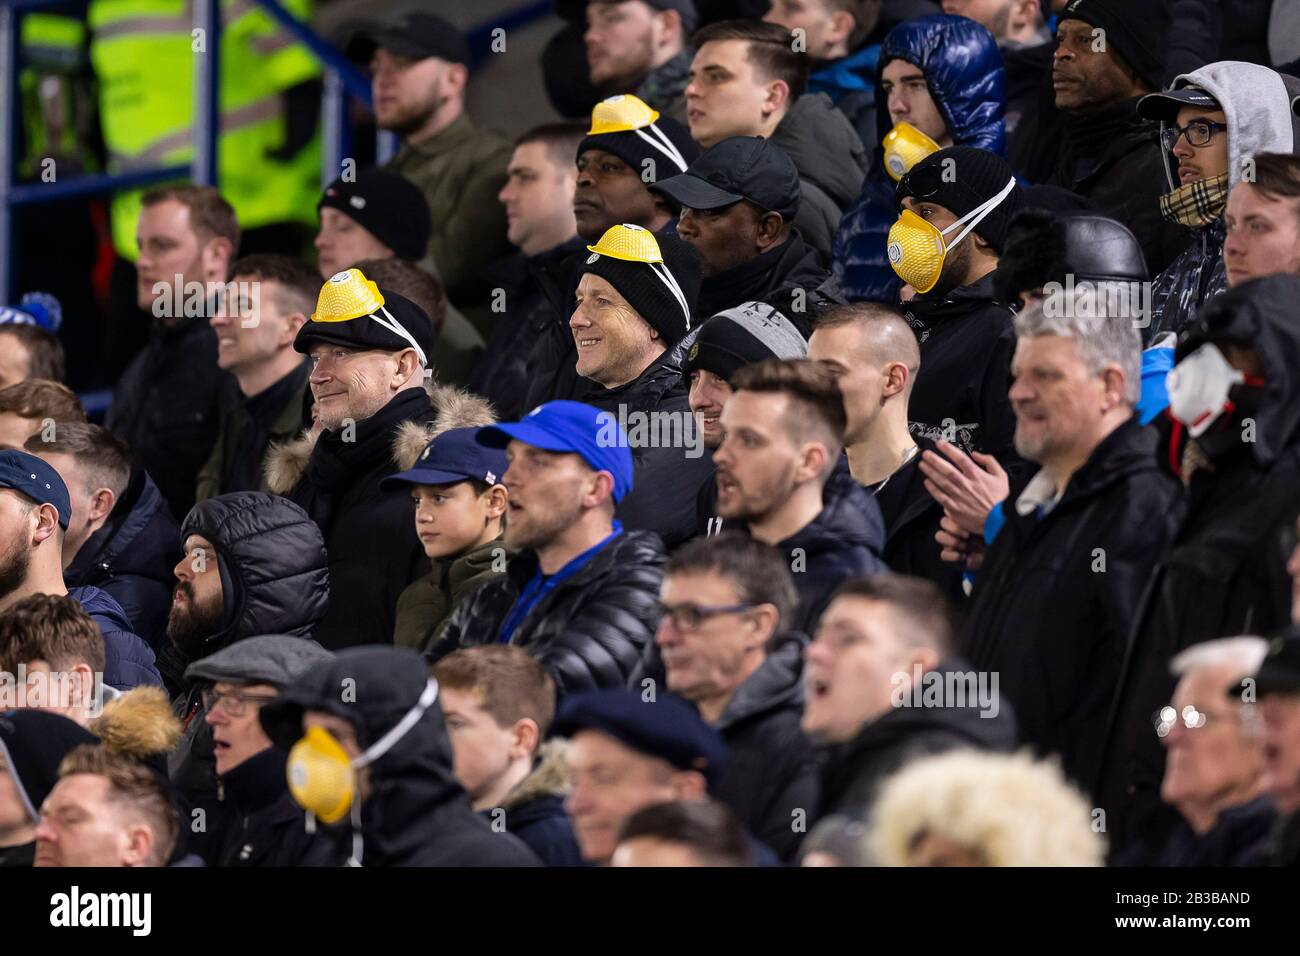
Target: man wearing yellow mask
x=955 y=206
x=371 y=762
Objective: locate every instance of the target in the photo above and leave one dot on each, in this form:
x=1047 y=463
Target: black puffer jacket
x=131 y=558
x=771 y=779
x=1056 y=596
x=166 y=407
x=665 y=479
x=416 y=813
x=854 y=771
x=590 y=631
x=274 y=580
x=1224 y=572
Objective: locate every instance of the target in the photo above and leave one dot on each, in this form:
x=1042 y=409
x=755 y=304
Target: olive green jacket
x=427 y=602
x=460 y=171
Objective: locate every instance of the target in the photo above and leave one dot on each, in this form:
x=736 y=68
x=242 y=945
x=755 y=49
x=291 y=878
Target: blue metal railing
x=341 y=79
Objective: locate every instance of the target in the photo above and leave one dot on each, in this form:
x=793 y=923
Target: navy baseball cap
x=37 y=480
x=739 y=167
x=1165 y=106
x=453 y=456
x=572 y=427
x=667 y=728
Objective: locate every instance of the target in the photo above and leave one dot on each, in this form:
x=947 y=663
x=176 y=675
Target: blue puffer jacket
x=128 y=661
x=963 y=69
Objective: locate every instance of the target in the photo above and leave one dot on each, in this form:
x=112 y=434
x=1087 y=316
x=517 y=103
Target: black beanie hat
x=1135 y=28
x=634 y=150
x=390 y=207
x=640 y=283
x=734 y=338
x=959 y=179
x=32 y=745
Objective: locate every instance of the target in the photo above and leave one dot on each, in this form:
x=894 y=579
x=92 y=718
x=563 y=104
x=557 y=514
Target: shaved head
x=883 y=335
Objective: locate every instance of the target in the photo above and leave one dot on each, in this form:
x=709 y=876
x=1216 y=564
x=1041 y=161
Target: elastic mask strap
x=661 y=142
x=411 y=718
x=667 y=279
x=979 y=212
x=392 y=325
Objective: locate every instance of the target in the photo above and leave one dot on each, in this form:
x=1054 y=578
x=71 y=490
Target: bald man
x=874 y=355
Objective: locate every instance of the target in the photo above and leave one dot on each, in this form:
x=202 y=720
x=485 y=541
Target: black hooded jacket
x=771 y=778
x=960 y=394
x=843 y=542
x=531 y=288
x=589 y=632
x=854 y=771
x=1224 y=572
x=790 y=277
x=1112 y=158
x=274 y=580
x=131 y=558
x=166 y=407
x=666 y=478
x=1054 y=601
x=415 y=813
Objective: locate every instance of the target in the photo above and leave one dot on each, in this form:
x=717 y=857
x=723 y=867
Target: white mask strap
x=392 y=325
x=411 y=718
x=667 y=278
x=978 y=214
x=661 y=142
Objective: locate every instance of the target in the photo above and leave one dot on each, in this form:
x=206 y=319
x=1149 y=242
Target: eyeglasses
x=234 y=703
x=687 y=617
x=1167 y=717
x=1198 y=133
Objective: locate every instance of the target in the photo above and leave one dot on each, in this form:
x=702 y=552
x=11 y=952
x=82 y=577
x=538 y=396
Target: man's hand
x=958 y=547
x=966 y=487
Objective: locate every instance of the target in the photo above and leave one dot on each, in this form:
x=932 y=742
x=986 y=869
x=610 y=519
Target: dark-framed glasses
x=687 y=617
x=1198 y=132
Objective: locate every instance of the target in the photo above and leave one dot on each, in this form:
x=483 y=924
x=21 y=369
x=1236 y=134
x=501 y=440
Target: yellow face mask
x=905 y=146
x=349 y=295
x=917 y=249
x=321 y=777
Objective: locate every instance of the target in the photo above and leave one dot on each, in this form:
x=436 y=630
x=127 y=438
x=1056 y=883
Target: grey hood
x=1258 y=107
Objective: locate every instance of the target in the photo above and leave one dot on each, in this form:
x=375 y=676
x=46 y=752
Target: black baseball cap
x=1280 y=670
x=32 y=477
x=739 y=167
x=1165 y=106
x=417 y=35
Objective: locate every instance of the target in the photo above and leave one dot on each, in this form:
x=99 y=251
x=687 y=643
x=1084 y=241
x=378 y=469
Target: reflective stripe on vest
x=231 y=121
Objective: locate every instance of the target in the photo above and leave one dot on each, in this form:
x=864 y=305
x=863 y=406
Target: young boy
x=460 y=504
x=498 y=704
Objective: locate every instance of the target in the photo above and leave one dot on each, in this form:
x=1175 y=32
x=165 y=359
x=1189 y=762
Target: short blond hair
x=1010 y=809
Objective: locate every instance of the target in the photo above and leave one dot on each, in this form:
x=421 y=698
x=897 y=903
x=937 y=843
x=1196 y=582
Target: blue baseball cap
x=453 y=456
x=667 y=728
x=575 y=427
x=37 y=480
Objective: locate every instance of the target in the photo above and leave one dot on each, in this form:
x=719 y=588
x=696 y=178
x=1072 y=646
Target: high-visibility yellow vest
x=143 y=54
x=52 y=88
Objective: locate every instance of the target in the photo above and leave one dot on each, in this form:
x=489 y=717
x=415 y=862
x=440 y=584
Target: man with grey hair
x=1054 y=602
x=1214 y=768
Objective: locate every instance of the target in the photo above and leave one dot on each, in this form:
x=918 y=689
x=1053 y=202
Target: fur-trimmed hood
x=455 y=408
x=138 y=724
x=550 y=778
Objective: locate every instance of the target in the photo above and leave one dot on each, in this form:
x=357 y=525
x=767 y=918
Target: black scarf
x=749 y=281
x=335 y=465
